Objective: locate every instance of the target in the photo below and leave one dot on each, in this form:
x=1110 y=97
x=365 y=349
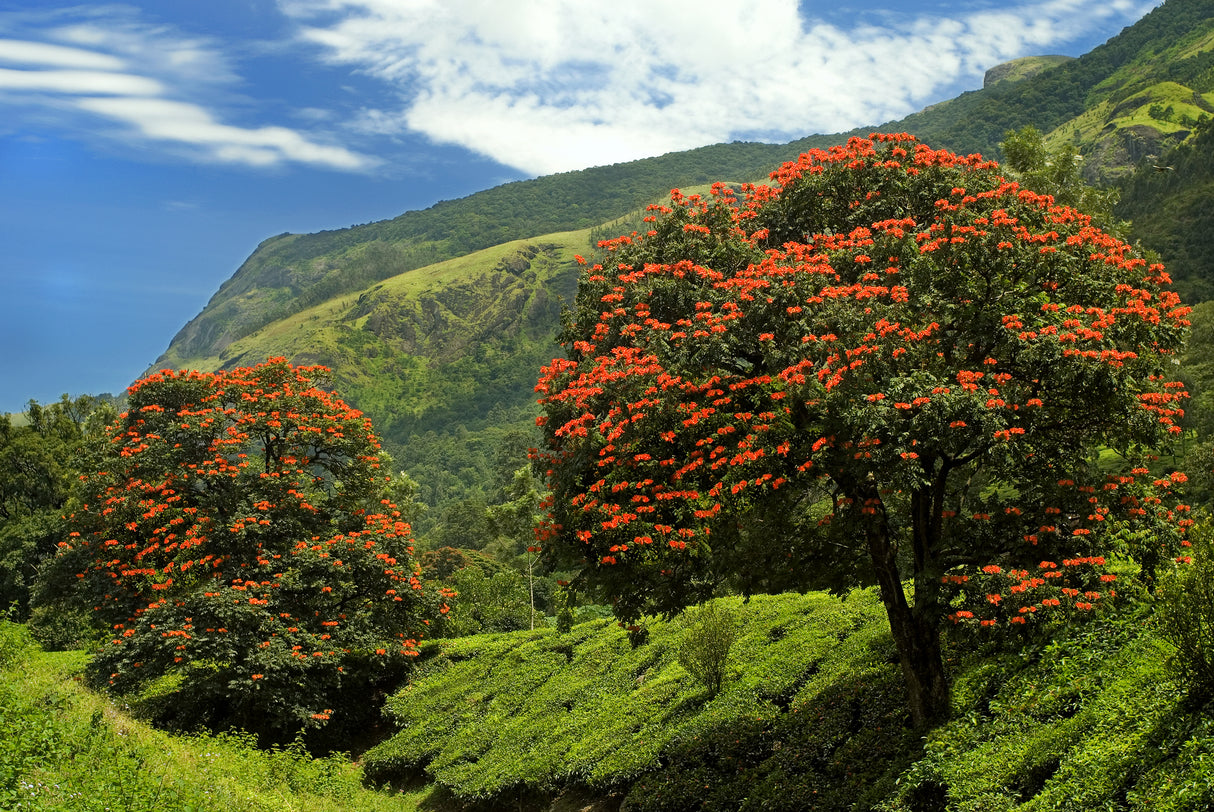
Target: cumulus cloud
x=551 y=85
x=153 y=85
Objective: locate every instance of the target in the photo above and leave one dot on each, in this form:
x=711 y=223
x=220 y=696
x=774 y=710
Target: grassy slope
x=64 y=748
x=811 y=717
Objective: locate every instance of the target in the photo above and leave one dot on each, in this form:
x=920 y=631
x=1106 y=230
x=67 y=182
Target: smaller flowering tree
x=235 y=538
x=892 y=365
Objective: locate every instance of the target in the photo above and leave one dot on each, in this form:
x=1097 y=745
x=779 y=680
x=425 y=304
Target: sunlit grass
x=63 y=747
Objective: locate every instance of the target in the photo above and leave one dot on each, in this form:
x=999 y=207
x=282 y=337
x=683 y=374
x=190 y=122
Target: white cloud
x=153 y=85
x=183 y=123
x=551 y=85
x=58 y=56
x=79 y=82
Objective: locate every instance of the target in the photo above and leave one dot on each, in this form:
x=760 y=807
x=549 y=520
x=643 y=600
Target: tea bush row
x=539 y=711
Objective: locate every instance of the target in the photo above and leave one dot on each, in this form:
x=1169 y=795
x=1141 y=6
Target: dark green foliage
x=39 y=459
x=464 y=524
x=1167 y=199
x=1197 y=367
x=441 y=564
x=488 y=602
x=704 y=650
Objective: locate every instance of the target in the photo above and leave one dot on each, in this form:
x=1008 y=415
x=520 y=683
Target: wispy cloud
x=153 y=85
x=551 y=85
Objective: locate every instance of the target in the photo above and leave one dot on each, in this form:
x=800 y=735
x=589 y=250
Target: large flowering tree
x=235 y=536
x=890 y=366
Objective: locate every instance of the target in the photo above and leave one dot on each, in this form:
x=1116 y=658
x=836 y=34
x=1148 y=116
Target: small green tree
x=704 y=649
x=1058 y=172
x=484 y=602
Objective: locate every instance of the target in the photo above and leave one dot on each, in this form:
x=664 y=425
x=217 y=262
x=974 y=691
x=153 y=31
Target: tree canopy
x=893 y=366
x=38 y=455
x=237 y=539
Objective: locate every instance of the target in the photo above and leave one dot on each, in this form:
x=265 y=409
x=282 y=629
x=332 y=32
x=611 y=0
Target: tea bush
x=491 y=716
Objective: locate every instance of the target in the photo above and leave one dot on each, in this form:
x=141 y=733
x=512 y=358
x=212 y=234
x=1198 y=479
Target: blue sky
x=147 y=147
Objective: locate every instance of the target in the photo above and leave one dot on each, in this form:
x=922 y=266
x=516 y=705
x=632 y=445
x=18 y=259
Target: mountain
x=292 y=272
x=436 y=322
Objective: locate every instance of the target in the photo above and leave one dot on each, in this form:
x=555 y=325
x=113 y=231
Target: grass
x=65 y=748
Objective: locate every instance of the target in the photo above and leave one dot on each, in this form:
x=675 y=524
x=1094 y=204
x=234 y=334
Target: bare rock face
x=1117 y=151
x=1023 y=68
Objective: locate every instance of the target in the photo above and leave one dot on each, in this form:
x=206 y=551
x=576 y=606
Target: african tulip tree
x=236 y=536
x=890 y=366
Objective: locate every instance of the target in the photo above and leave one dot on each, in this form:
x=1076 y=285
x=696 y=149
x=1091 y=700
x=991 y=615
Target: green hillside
x=436 y=324
x=292 y=272
x=810 y=716
x=1169 y=201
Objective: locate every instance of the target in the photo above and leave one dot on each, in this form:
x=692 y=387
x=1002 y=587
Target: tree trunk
x=916 y=634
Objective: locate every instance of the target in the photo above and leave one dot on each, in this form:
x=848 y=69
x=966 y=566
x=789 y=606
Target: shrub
x=704 y=651
x=13 y=641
